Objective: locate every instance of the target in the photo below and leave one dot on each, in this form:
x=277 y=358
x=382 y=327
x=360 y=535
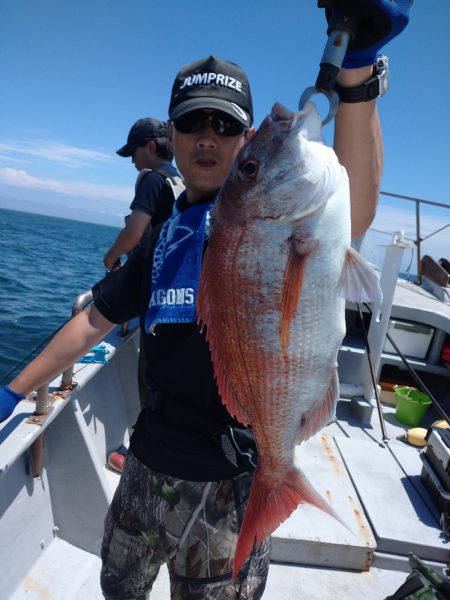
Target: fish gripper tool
x=341 y=31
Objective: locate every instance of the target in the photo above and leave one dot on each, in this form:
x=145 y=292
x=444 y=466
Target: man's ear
x=151 y=145
x=250 y=133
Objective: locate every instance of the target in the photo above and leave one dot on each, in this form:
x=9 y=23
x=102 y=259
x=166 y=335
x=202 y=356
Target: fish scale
x=272 y=299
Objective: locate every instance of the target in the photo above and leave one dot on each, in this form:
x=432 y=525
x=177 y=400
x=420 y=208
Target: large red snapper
x=276 y=273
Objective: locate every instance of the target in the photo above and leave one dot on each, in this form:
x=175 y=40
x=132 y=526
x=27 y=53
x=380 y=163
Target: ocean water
x=45 y=262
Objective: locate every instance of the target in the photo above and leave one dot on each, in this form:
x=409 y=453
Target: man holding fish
x=276 y=235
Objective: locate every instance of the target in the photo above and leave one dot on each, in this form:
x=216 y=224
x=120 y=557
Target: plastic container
x=413 y=339
x=431 y=481
x=411 y=405
x=387 y=394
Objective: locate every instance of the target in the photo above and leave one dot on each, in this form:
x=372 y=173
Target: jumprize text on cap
x=212 y=78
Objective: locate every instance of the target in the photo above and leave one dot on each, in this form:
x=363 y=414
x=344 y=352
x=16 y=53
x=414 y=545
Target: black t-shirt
x=184 y=439
x=154 y=197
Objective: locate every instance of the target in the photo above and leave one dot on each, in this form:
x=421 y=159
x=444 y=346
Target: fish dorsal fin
x=299 y=250
x=226 y=392
x=323 y=412
x=359 y=282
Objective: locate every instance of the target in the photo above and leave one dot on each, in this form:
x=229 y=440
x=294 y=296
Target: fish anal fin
x=226 y=392
x=299 y=250
x=269 y=505
x=359 y=282
x=323 y=413
x=205 y=319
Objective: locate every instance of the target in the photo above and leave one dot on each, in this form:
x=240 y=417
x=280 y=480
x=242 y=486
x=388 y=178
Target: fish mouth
x=293 y=128
x=282 y=115
x=288 y=121
x=307 y=119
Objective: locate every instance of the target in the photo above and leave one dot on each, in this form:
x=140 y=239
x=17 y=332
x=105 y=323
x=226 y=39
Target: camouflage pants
x=191 y=526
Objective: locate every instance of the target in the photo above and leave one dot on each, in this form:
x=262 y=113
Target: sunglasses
x=222 y=124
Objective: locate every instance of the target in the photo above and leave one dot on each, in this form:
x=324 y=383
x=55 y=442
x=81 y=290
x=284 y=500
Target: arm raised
x=359 y=147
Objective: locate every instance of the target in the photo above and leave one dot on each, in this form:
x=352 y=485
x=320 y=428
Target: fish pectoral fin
x=299 y=250
x=359 y=282
x=323 y=413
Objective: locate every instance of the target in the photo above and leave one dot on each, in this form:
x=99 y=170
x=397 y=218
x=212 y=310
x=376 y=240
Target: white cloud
x=10 y=159
x=56 y=152
x=84 y=189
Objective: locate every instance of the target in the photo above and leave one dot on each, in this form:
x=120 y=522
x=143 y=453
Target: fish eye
x=249 y=168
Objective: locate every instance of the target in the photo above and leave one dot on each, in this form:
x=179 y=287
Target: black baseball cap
x=212 y=83
x=143 y=129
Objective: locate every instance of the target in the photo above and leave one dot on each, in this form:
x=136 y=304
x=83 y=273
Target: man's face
x=143 y=157
x=204 y=157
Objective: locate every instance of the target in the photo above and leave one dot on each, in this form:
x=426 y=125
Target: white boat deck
x=416 y=303
x=65 y=572
x=51 y=528
x=308 y=536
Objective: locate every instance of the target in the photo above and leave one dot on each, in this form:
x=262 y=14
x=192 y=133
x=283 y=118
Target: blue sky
x=76 y=75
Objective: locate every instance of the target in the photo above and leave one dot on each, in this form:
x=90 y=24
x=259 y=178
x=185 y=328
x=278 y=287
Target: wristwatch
x=376 y=86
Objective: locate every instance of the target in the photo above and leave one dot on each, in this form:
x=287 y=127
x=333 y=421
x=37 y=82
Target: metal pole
x=413 y=199
x=378 y=326
x=420 y=384
x=37 y=447
x=373 y=377
x=418 y=240
x=78 y=306
x=37 y=456
x=42 y=400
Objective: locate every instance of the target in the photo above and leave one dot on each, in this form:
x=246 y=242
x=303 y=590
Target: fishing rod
x=81 y=302
x=342 y=29
x=32 y=352
x=419 y=489
x=419 y=382
x=372 y=374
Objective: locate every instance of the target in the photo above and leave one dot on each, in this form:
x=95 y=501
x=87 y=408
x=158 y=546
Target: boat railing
x=418 y=237
x=81 y=301
x=43 y=406
x=47 y=402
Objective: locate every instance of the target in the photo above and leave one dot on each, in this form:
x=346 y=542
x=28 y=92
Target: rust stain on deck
x=35 y=587
x=330 y=454
x=362 y=525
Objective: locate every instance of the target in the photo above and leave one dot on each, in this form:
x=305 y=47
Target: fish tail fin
x=270 y=505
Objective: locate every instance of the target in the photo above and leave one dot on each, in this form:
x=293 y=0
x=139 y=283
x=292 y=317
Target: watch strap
x=375 y=86
x=369 y=90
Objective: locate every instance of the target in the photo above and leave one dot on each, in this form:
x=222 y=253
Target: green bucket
x=411 y=405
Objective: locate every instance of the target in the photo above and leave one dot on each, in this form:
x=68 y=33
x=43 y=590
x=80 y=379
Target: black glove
x=379 y=21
